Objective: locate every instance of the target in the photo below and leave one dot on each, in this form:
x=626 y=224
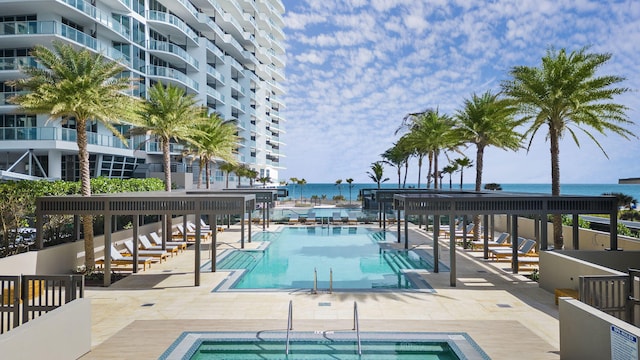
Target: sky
x=355 y=68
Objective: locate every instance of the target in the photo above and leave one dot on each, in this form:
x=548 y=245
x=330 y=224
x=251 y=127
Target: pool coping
x=186 y=345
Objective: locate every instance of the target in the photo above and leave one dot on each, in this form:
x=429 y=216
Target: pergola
x=452 y=204
x=147 y=203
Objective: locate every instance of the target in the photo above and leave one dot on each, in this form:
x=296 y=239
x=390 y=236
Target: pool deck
x=507 y=315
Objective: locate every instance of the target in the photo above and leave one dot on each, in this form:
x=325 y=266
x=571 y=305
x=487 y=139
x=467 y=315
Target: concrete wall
x=619 y=260
x=561 y=271
x=585 y=332
x=63 y=333
x=588 y=239
x=65 y=258
x=183 y=180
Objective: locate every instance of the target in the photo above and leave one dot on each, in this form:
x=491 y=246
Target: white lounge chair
x=499 y=241
x=146 y=245
x=294 y=218
x=160 y=254
x=336 y=218
x=311 y=218
x=352 y=219
x=118 y=259
x=182 y=245
x=525 y=247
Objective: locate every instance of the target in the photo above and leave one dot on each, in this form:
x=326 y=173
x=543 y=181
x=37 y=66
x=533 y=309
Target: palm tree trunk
x=436 y=176
x=200 y=174
x=479 y=166
x=420 y=157
x=406 y=171
x=166 y=162
x=461 y=176
x=85 y=185
x=430 y=156
x=558 y=241
x=207 y=173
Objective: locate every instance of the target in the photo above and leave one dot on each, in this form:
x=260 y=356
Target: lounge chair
x=525 y=247
x=500 y=241
x=528 y=261
x=352 y=219
x=311 y=218
x=118 y=259
x=157 y=240
x=160 y=254
x=336 y=218
x=146 y=245
x=460 y=233
x=294 y=218
x=191 y=228
x=191 y=235
x=204 y=226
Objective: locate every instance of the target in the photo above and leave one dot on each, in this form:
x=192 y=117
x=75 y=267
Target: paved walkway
x=140 y=316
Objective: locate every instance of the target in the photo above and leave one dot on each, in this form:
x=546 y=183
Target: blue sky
x=355 y=68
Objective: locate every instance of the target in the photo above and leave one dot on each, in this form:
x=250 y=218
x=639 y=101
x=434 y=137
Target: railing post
x=330 y=280
x=315 y=281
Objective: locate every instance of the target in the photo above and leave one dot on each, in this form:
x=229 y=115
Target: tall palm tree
x=339 y=186
x=350 y=182
x=565 y=95
x=462 y=163
x=450 y=170
x=169 y=113
x=301 y=182
x=80 y=86
x=294 y=182
x=397 y=157
x=432 y=132
x=377 y=173
x=227 y=168
x=264 y=180
x=486 y=120
x=215 y=139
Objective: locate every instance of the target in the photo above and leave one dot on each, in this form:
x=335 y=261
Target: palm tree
x=464 y=162
x=215 y=139
x=350 y=182
x=432 y=132
x=566 y=95
x=264 y=180
x=169 y=114
x=294 y=182
x=339 y=186
x=301 y=183
x=486 y=120
x=227 y=168
x=450 y=170
x=377 y=172
x=79 y=86
x=397 y=157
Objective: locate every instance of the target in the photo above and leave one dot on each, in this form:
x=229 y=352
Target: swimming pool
x=335 y=257
x=323 y=345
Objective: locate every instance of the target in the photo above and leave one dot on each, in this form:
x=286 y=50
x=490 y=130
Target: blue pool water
x=324 y=345
x=342 y=257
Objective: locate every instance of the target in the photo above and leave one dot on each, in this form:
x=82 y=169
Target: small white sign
x=624 y=345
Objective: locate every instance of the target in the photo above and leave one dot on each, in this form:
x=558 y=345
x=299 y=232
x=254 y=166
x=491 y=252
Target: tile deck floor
x=507 y=315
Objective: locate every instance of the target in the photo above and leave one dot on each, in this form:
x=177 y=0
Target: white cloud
x=359 y=66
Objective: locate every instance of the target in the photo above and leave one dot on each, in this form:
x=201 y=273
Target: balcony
x=154 y=147
x=215 y=74
x=214 y=94
x=10 y=66
x=172 y=74
x=99 y=16
x=215 y=50
x=58 y=134
x=171 y=25
x=171 y=51
x=236 y=104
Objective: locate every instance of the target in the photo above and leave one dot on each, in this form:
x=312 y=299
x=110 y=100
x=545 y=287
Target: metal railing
x=35 y=295
x=356 y=326
x=289 y=325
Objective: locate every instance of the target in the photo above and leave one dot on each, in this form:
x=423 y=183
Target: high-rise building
x=229 y=53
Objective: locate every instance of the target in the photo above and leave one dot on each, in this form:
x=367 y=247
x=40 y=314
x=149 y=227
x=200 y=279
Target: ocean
x=331 y=190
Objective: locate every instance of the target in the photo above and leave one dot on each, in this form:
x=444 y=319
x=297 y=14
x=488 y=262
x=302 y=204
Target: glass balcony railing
x=155 y=147
x=58 y=134
x=173 y=74
x=173 y=49
x=5 y=96
x=173 y=20
x=47 y=27
x=99 y=16
x=17 y=62
x=215 y=73
x=214 y=49
x=215 y=94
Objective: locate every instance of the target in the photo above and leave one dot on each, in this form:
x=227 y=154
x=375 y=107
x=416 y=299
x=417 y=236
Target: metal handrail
x=289 y=325
x=330 y=280
x=315 y=281
x=356 y=326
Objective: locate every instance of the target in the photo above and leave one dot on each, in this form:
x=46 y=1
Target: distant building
x=228 y=52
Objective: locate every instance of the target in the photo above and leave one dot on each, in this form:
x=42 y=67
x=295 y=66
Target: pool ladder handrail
x=356 y=326
x=315 y=281
x=289 y=325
